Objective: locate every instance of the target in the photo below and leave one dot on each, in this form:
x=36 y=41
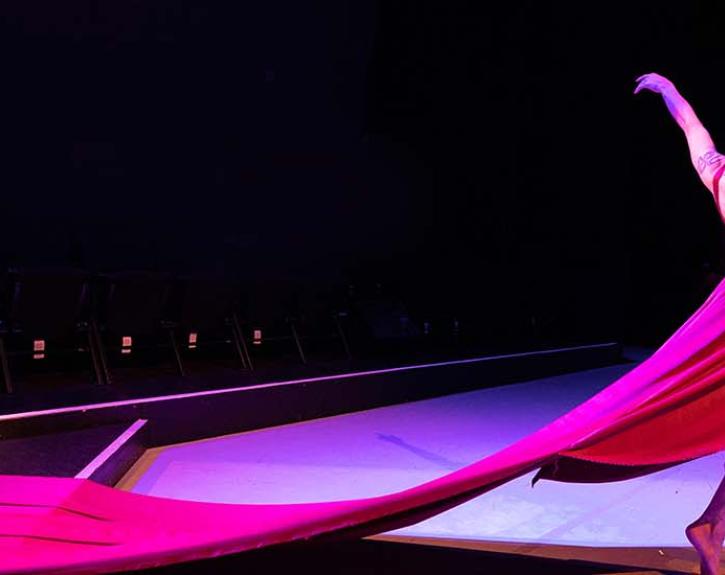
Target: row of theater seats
x=110 y=320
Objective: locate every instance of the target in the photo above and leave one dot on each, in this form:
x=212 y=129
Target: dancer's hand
x=654 y=83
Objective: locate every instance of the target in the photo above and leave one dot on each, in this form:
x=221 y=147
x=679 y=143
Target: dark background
x=487 y=160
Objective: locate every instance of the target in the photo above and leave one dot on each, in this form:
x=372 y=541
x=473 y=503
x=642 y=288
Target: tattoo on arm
x=710 y=159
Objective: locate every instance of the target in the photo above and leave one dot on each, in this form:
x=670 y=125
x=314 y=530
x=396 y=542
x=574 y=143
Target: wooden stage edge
x=651 y=559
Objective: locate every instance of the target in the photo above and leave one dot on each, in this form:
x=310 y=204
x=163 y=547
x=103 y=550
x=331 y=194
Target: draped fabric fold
x=666 y=411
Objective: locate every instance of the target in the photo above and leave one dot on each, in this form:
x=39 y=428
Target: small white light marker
x=39 y=349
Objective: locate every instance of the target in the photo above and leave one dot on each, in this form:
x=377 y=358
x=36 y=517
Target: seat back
x=48 y=303
x=205 y=304
x=133 y=303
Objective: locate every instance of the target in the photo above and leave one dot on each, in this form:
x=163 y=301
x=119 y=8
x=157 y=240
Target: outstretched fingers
x=653 y=82
x=642 y=85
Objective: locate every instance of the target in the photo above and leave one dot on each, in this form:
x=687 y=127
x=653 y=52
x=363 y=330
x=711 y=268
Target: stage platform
x=634 y=524
x=356 y=434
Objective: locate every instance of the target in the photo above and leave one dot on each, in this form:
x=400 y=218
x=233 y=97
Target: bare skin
x=705 y=158
x=706 y=533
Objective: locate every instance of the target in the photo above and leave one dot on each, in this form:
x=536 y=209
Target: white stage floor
x=388 y=449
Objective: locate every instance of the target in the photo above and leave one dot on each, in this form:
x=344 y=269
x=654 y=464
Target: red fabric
x=666 y=411
x=716 y=189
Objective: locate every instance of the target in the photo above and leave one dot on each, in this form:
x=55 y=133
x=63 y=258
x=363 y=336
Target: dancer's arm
x=705 y=158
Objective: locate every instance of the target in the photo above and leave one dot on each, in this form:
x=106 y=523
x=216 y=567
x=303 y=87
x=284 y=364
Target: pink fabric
x=666 y=411
x=716 y=189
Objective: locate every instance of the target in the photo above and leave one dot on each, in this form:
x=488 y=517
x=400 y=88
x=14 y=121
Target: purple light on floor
x=388 y=449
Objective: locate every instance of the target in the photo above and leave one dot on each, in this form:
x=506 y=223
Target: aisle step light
x=39 y=349
x=193 y=337
x=257 y=337
x=126 y=344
